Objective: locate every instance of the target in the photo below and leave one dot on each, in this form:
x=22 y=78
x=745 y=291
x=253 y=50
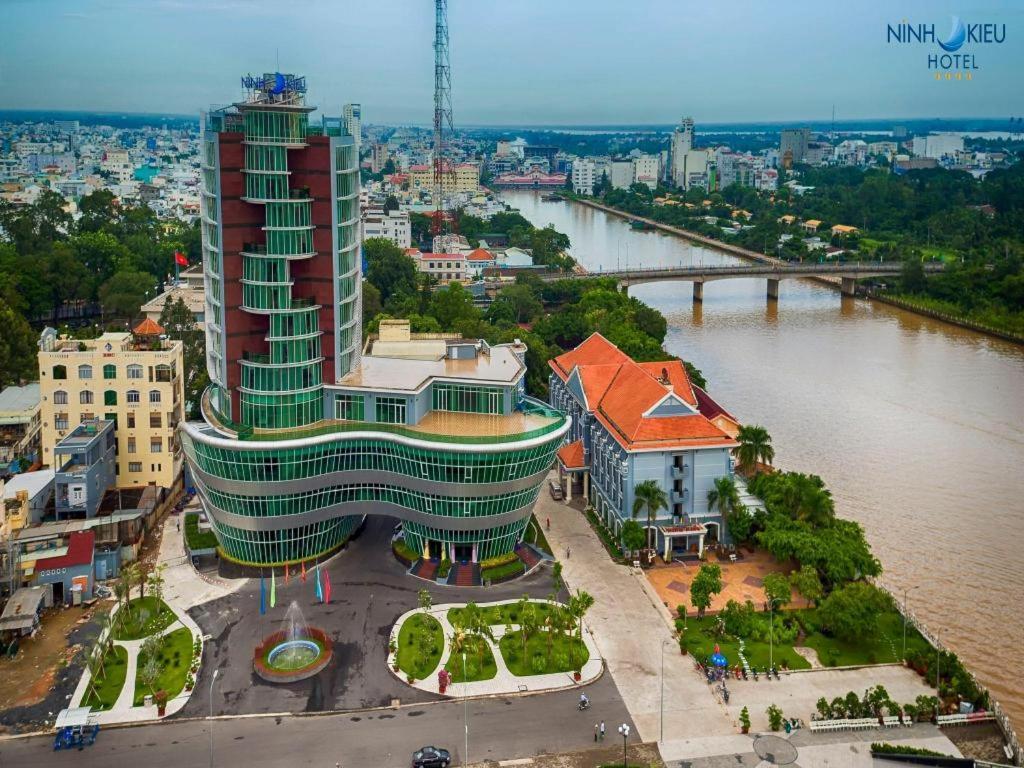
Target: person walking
x=595 y=731
x=549 y=523
x=567 y=553
x=602 y=730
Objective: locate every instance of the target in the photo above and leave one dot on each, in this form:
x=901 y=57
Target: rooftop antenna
x=442 y=109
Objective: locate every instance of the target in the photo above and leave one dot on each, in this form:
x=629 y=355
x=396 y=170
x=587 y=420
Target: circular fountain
x=293 y=653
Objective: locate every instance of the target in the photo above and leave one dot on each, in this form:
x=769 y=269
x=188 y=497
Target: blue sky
x=513 y=62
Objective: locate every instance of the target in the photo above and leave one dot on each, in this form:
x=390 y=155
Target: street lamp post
x=906 y=591
x=465 y=709
x=624 y=730
x=213 y=680
x=938 y=658
x=771 y=633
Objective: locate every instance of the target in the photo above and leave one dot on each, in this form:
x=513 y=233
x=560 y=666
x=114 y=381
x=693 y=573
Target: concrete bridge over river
x=846 y=273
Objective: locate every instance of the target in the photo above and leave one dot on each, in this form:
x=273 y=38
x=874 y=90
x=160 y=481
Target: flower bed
x=565 y=653
x=175 y=658
x=142 y=617
x=420 y=644
x=500 y=573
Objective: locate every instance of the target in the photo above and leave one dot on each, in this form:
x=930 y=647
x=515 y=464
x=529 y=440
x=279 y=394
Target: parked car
x=556 y=490
x=431 y=757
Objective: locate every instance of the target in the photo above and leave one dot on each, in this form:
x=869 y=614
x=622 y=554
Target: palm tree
x=724 y=497
x=755 y=446
x=650 y=495
x=579 y=604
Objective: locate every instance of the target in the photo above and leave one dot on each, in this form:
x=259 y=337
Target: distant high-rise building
x=682 y=142
x=352 y=115
x=379 y=157
x=796 y=141
x=583 y=176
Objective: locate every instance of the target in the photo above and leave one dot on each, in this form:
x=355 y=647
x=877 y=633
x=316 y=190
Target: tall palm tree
x=724 y=497
x=755 y=446
x=649 y=495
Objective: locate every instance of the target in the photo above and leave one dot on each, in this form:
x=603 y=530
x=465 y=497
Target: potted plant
x=410 y=679
x=577 y=672
x=190 y=682
x=745 y=720
x=774 y=717
x=161 y=702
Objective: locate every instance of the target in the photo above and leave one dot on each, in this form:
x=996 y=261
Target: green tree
x=125 y=292
x=774 y=717
x=807 y=584
x=388 y=268
x=98 y=211
x=180 y=324
x=425 y=600
x=851 y=611
x=579 y=605
x=102 y=254
x=777 y=590
x=453 y=308
x=650 y=496
x=18 y=358
x=705 y=585
x=521 y=300
x=755 y=446
x=633 y=536
x=371 y=302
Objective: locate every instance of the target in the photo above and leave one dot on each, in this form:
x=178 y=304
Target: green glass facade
x=288 y=462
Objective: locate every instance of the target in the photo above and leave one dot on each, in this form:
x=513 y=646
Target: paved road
x=499 y=729
x=369 y=591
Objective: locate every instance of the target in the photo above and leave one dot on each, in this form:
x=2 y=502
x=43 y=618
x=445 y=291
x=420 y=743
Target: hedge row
x=502 y=572
x=195 y=538
x=494 y=562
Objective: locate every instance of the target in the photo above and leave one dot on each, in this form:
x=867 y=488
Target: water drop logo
x=956 y=37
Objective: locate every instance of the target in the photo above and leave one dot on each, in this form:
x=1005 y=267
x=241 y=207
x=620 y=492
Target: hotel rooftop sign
x=274 y=83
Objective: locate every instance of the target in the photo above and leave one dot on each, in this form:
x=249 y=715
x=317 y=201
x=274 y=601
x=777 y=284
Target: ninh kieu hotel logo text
x=955 y=56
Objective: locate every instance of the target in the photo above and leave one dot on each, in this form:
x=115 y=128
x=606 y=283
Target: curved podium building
x=306 y=430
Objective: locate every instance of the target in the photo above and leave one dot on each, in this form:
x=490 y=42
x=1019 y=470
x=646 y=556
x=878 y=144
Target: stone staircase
x=425 y=569
x=528 y=554
x=464 y=575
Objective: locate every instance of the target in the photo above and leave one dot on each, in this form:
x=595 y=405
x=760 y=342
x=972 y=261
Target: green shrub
x=195 y=538
x=444 y=568
x=885 y=748
x=774 y=717
x=502 y=572
x=494 y=562
x=402 y=550
x=539 y=664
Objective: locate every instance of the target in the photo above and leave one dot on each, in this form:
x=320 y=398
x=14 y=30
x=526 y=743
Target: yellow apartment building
x=467 y=178
x=135 y=379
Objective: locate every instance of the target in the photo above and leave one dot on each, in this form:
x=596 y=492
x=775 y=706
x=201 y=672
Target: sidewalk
x=633 y=634
x=503 y=681
x=182 y=590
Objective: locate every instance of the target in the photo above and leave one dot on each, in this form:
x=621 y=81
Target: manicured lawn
x=564 y=655
x=479 y=665
x=882 y=647
x=108 y=687
x=143 y=617
x=701 y=642
x=420 y=644
x=175 y=658
x=506 y=613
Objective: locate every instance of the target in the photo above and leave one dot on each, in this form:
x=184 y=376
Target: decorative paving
x=678 y=586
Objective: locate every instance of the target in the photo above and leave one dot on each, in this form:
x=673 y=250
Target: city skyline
x=381 y=57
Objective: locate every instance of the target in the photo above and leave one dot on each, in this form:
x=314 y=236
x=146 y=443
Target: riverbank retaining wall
x=1003 y=720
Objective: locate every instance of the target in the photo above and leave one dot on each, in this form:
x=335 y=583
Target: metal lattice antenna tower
x=442 y=108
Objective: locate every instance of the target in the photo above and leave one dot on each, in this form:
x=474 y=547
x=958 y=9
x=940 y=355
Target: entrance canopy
x=73 y=717
x=671 y=532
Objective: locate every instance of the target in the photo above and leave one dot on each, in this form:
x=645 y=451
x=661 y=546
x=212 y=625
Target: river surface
x=916 y=426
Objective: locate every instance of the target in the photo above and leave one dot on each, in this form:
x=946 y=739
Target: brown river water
x=916 y=426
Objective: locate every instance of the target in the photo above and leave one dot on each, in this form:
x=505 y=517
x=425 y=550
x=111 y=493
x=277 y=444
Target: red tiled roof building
x=633 y=422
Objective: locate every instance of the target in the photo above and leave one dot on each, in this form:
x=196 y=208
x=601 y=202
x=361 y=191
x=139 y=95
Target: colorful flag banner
x=286 y=574
x=180 y=259
x=319 y=587
x=263 y=595
x=273 y=589
x=327 y=587
x=303 y=571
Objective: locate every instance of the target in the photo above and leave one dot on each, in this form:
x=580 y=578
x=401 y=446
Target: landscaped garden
x=142 y=617
x=164 y=664
x=545 y=652
x=479 y=661
x=420 y=644
x=107 y=680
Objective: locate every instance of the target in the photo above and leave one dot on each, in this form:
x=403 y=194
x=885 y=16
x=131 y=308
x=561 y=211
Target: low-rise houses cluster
x=149 y=165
